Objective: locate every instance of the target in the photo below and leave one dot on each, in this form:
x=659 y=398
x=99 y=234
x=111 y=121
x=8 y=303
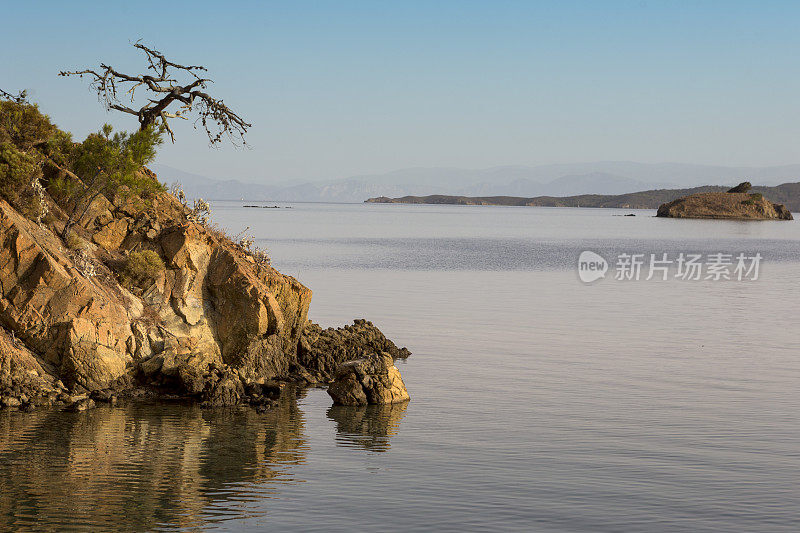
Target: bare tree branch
x=20 y=98
x=216 y=118
x=162 y=64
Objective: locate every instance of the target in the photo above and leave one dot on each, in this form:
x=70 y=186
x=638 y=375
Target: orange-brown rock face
x=73 y=321
x=238 y=312
x=215 y=305
x=212 y=304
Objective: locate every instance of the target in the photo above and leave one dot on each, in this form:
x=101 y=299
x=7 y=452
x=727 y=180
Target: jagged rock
x=322 y=351
x=191 y=379
x=210 y=298
x=77 y=325
x=371 y=380
x=126 y=203
x=242 y=316
x=264 y=359
x=111 y=235
x=742 y=187
x=97 y=214
x=88 y=360
x=227 y=391
x=22 y=375
x=301 y=375
x=782 y=212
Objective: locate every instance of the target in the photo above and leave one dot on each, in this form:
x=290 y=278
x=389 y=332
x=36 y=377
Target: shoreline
x=786 y=193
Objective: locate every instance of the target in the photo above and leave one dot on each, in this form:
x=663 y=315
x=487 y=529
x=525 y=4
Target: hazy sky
x=341 y=88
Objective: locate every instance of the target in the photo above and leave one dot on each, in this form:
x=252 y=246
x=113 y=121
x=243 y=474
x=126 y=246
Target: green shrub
x=62 y=187
x=27 y=140
x=74 y=242
x=107 y=163
x=74 y=174
x=24 y=126
x=17 y=171
x=754 y=199
x=142 y=267
x=118 y=158
x=59 y=148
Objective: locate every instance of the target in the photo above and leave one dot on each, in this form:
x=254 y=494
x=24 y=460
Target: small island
x=735 y=204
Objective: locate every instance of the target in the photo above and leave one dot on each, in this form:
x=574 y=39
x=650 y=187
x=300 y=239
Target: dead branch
x=19 y=98
x=162 y=80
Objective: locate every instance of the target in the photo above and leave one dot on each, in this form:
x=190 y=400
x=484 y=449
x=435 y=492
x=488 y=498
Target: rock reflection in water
x=140 y=467
x=370 y=427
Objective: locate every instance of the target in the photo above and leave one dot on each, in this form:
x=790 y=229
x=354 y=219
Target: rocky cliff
x=216 y=322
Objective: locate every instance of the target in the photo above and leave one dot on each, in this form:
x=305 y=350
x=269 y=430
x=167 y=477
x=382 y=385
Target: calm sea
x=539 y=402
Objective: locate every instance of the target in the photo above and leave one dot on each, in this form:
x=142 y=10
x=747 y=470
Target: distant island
x=737 y=203
x=786 y=193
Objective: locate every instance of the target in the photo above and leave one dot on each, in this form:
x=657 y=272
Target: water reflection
x=140 y=467
x=370 y=427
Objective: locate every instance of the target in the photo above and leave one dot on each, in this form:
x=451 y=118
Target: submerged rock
x=371 y=380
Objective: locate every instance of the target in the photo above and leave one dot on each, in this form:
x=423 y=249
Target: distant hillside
x=787 y=194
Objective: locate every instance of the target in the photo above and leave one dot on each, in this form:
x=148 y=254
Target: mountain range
x=607 y=178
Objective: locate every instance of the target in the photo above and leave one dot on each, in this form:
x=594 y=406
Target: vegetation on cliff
x=37 y=157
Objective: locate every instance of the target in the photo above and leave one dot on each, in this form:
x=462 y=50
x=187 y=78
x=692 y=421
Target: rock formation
x=217 y=323
x=742 y=187
x=23 y=378
x=320 y=352
x=725 y=205
x=371 y=380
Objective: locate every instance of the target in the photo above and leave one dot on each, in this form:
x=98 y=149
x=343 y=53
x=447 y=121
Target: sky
x=342 y=88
